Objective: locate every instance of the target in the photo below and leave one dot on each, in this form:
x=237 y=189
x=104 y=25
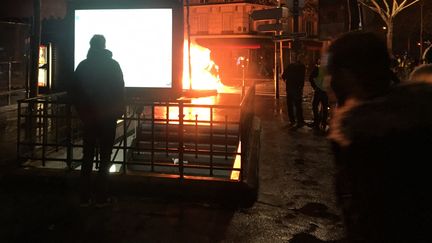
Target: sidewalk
x=296 y=178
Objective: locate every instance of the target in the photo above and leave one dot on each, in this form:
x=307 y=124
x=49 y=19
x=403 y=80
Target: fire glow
x=204 y=77
x=204 y=70
x=192 y=114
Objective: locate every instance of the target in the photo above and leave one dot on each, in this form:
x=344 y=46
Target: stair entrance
x=187 y=138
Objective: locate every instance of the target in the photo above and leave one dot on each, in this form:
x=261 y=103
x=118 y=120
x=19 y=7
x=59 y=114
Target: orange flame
x=204 y=70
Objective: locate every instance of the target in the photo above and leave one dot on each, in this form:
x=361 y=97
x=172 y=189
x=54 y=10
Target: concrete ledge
x=252 y=170
x=193 y=188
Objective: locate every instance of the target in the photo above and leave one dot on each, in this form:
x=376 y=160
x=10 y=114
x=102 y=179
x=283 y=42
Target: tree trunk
x=390 y=37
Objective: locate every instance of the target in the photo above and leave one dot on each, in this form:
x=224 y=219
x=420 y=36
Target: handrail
x=13 y=62
x=146 y=103
x=12 y=92
x=45 y=96
x=15 y=23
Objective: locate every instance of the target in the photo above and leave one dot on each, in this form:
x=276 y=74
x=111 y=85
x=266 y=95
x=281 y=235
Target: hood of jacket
x=406 y=109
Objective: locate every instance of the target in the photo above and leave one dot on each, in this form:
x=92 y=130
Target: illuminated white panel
x=140 y=40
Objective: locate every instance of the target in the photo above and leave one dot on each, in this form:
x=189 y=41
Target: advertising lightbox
x=141 y=41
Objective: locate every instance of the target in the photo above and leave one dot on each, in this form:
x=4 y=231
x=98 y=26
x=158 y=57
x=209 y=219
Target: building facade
x=226 y=28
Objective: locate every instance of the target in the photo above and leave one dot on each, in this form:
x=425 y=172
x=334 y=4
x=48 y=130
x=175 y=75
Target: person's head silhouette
x=359 y=66
x=97 y=42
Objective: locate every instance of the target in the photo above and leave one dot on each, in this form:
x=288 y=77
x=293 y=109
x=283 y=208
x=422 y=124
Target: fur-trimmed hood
x=405 y=110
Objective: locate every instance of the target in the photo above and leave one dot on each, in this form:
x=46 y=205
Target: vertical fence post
x=138 y=130
x=243 y=133
x=242 y=140
x=152 y=135
x=181 y=139
x=32 y=127
x=196 y=135
x=69 y=149
x=167 y=128
x=19 y=133
x=44 y=131
x=125 y=116
x=211 y=141
x=56 y=124
x=39 y=120
x=9 y=81
x=226 y=137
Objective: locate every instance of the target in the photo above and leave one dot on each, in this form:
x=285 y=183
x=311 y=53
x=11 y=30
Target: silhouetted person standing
x=294 y=75
x=320 y=97
x=98 y=96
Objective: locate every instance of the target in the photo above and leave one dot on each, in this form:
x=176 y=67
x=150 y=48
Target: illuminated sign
x=141 y=41
x=43 y=66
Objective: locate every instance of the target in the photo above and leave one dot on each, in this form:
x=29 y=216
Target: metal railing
x=172 y=138
x=10 y=90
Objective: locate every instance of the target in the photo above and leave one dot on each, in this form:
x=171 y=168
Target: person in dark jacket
x=294 y=75
x=320 y=98
x=98 y=96
x=382 y=135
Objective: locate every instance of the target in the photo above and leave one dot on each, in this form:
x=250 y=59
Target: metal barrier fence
x=9 y=90
x=176 y=138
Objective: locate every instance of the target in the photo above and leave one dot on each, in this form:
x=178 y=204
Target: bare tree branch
x=387 y=7
x=387 y=12
x=396 y=5
x=402 y=6
x=376 y=8
x=382 y=12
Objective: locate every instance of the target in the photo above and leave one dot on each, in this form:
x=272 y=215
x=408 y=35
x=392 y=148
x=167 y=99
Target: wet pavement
x=296 y=201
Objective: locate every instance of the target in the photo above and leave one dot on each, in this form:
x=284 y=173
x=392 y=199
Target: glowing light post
x=242 y=62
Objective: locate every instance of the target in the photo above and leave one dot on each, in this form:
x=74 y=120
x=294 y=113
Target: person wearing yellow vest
x=320 y=98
